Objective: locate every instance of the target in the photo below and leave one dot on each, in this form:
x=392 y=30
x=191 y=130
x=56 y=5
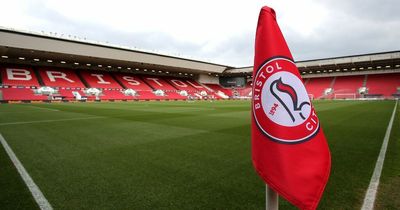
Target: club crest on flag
x=280 y=100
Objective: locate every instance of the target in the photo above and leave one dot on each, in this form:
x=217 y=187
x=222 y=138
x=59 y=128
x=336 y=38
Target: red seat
x=149 y=95
x=196 y=85
x=174 y=95
x=157 y=83
x=20 y=94
x=181 y=84
x=19 y=76
x=317 y=86
x=115 y=95
x=60 y=78
x=217 y=88
x=347 y=85
x=385 y=84
x=100 y=80
x=245 y=91
x=66 y=94
x=132 y=81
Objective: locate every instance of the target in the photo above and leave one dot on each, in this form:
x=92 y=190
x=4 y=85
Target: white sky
x=220 y=31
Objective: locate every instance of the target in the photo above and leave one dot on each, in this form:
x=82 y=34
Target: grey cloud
x=353 y=27
x=237 y=50
x=377 y=10
x=153 y=41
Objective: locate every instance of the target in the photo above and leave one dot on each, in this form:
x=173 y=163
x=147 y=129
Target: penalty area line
x=33 y=188
x=370 y=196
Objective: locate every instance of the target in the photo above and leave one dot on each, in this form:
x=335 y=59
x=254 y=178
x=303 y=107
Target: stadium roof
x=20 y=47
x=384 y=62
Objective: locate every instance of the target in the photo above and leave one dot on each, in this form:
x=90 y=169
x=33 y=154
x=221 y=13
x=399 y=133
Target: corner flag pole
x=271 y=199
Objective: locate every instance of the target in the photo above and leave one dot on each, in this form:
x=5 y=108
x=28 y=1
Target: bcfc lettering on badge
x=281 y=107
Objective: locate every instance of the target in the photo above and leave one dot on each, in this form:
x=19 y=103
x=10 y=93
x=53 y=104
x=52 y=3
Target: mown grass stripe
x=47 y=121
x=43 y=108
x=33 y=188
x=370 y=196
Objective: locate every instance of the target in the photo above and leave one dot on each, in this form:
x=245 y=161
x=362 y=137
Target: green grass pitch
x=179 y=155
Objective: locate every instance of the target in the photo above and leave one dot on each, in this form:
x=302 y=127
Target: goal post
x=349 y=96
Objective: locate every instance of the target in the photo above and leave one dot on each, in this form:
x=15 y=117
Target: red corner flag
x=289 y=149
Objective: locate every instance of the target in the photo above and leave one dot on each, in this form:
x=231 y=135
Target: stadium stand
x=129 y=81
x=162 y=86
x=196 y=85
x=132 y=82
x=383 y=84
x=67 y=82
x=21 y=94
x=67 y=94
x=181 y=84
x=245 y=91
x=23 y=83
x=174 y=95
x=19 y=84
x=19 y=76
x=148 y=95
x=99 y=80
x=220 y=91
x=316 y=86
x=115 y=95
x=347 y=86
x=202 y=92
x=60 y=78
x=158 y=83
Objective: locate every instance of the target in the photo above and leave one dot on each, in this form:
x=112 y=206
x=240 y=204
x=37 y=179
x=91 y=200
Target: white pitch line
x=36 y=193
x=47 y=121
x=370 y=196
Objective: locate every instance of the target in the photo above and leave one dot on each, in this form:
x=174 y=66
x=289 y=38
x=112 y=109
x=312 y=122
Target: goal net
x=350 y=96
